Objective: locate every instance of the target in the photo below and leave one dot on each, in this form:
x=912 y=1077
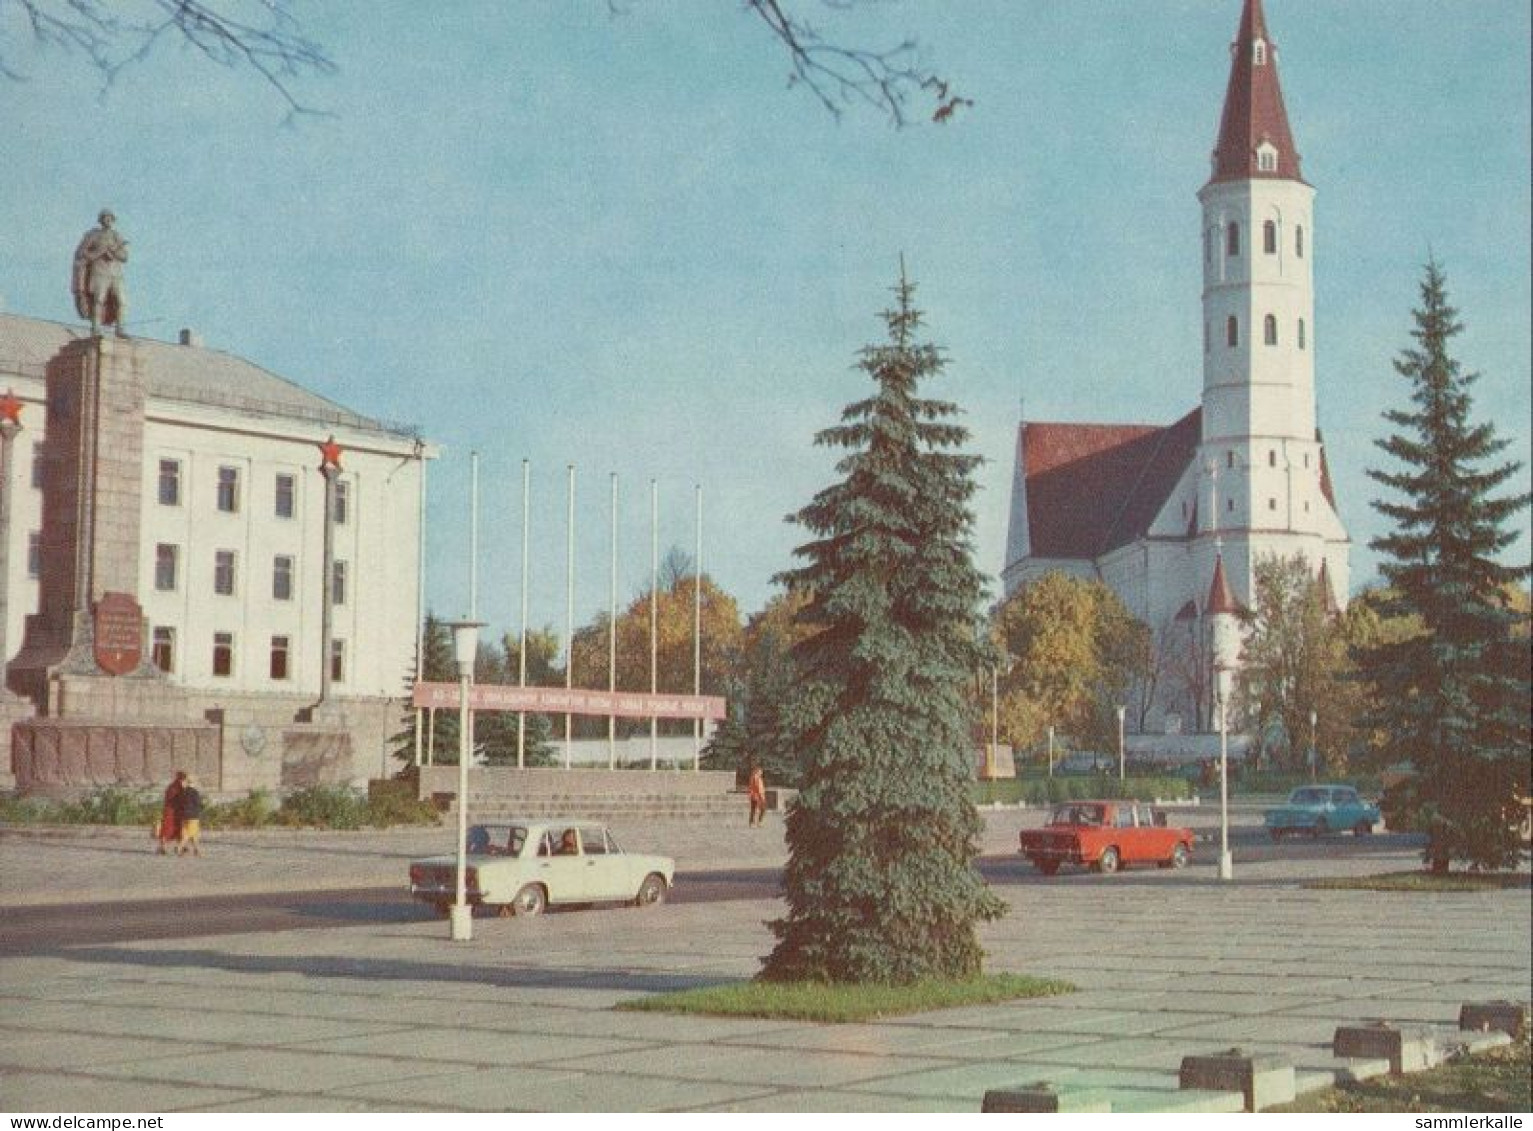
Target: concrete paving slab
x=470 y=1047
x=155 y=1023
x=56 y=1089
x=538 y=1089
x=27 y=1048
x=1188 y=1101
x=1129 y=1053
x=829 y=1100
x=267 y=1069
x=889 y=1040
x=759 y=1066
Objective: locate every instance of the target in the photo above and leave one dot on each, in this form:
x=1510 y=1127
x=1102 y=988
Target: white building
x=1151 y=510
x=197 y=492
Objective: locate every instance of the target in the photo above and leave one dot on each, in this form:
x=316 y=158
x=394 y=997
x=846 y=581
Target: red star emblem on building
x=330 y=454
x=10 y=407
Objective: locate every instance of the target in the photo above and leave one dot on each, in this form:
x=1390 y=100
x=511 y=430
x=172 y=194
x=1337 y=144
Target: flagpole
x=569 y=606
x=654 y=615
x=697 y=635
x=612 y=637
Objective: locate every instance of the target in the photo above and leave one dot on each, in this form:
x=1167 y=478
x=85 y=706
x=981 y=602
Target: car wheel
x=1179 y=856
x=1047 y=867
x=531 y=900
x=1362 y=828
x=1320 y=828
x=1109 y=861
x=651 y=891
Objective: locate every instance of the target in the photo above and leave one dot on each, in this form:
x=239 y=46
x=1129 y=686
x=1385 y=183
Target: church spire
x=1221 y=601
x=1254 y=138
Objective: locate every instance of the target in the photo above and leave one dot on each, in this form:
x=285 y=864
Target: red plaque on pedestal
x=119 y=633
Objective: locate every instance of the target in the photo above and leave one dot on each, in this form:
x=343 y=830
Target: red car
x=1106 y=835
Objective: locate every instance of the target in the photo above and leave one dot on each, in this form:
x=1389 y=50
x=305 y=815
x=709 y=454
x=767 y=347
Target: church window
x=1229 y=459
x=1229 y=505
x=1232 y=239
x=1269 y=330
x=1271 y=459
x=1232 y=331
x=1306 y=506
x=1184 y=508
x=34 y=553
x=1298 y=240
x=1269 y=237
x=1301 y=333
x=1306 y=459
x=1259 y=53
x=338 y=661
x=1271 y=504
x=1266 y=160
x=1207 y=337
x=39 y=470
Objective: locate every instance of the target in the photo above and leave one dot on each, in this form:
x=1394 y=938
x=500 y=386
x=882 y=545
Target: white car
x=523 y=865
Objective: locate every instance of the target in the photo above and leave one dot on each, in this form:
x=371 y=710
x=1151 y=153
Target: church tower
x=1259 y=455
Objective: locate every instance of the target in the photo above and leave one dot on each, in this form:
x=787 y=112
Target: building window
x=1266 y=160
x=1306 y=459
x=1301 y=333
x=338 y=583
x=282 y=578
x=338 y=661
x=279 y=657
x=285 y=488
x=1232 y=331
x=34 y=553
x=223 y=653
x=1208 y=245
x=1269 y=237
x=165 y=559
x=1298 y=240
x=1271 y=504
x=164 y=652
x=1271 y=459
x=1229 y=505
x=223 y=572
x=1208 y=337
x=39 y=469
x=170 y=483
x=1232 y=239
x=342 y=501
x=1229 y=459
x=1259 y=53
x=229 y=489
x=1269 y=330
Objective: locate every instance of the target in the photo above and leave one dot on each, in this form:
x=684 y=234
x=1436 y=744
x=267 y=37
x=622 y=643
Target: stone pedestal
x=1263 y=1079
x=92 y=510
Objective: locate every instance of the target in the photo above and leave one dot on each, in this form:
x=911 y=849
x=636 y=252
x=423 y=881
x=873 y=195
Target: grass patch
x=1426 y=881
x=318 y=807
x=840 y=1002
x=1494 y=1081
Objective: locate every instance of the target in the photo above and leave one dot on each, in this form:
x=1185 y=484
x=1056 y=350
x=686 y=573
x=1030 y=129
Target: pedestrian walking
x=168 y=831
x=756 y=789
x=189 y=811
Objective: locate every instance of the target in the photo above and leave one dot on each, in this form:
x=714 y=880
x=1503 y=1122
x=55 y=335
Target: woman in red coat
x=169 y=830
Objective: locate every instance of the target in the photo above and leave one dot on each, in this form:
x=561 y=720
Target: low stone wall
x=56 y=755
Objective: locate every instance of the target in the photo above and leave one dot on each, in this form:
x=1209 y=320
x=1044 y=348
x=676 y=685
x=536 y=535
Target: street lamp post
x=465 y=646
x=1314 y=751
x=1051 y=750
x=1221 y=689
x=1122 y=749
x=995 y=720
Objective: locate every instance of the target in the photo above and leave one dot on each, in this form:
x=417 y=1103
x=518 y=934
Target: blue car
x=1319 y=809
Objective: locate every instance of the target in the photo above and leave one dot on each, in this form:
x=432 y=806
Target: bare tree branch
x=260 y=35
x=840 y=76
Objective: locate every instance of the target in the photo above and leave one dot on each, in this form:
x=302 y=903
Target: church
x=1174 y=517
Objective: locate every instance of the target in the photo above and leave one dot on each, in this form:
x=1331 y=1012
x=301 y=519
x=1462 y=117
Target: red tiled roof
x=1253 y=108
x=1094 y=487
x=1325 y=472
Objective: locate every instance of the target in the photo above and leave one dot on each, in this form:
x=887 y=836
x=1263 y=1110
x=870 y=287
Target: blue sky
x=543 y=230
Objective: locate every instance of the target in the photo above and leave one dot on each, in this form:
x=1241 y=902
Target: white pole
x=521 y=672
x=697 y=635
x=1051 y=751
x=569 y=606
x=420 y=592
x=654 y=615
x=1226 y=864
x=461 y=927
x=995 y=719
x=612 y=635
x=1122 y=751
x=431 y=737
x=473 y=562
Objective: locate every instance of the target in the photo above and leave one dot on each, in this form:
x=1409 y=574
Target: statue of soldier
x=97 y=278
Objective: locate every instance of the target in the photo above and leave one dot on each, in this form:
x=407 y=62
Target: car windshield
x=1309 y=797
x=496 y=840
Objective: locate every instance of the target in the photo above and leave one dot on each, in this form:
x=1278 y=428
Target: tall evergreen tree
x=437 y=666
x=1455 y=696
x=880 y=881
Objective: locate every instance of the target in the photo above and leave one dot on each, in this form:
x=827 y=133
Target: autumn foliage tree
x=880 y=882
x=1073 y=654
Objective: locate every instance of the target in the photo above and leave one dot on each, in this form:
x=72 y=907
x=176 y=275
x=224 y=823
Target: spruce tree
x=880 y=881
x=1455 y=696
